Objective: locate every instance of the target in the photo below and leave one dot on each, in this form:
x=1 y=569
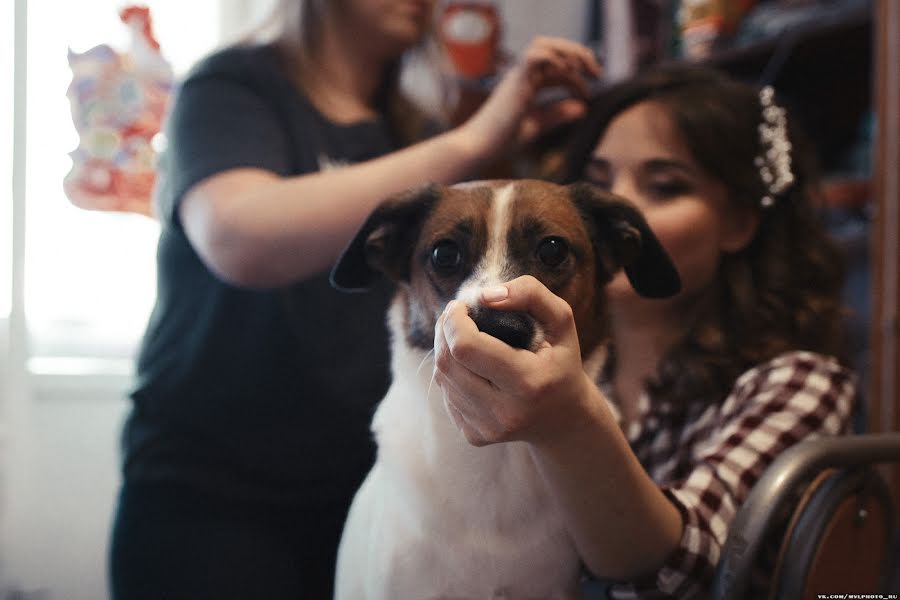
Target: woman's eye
x=552 y=251
x=601 y=182
x=446 y=257
x=669 y=189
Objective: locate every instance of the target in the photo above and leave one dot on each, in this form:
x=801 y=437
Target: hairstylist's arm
x=620 y=521
x=249 y=228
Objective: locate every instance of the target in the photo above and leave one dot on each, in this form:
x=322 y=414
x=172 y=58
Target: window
x=89 y=276
x=7 y=41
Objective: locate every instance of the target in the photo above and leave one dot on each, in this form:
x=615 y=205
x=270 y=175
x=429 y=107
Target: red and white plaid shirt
x=706 y=458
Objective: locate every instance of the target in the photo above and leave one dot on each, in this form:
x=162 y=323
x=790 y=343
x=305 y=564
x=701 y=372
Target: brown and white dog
x=437 y=517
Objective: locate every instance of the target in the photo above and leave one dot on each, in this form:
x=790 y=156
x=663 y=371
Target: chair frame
x=797 y=464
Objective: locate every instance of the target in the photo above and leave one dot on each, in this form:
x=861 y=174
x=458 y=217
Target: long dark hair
x=783 y=290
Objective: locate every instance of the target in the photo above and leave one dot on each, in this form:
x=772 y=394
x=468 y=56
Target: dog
x=437 y=517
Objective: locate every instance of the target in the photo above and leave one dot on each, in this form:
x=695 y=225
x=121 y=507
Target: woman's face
x=642 y=157
x=394 y=25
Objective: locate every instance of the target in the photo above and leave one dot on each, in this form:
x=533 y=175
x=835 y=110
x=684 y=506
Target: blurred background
x=77 y=278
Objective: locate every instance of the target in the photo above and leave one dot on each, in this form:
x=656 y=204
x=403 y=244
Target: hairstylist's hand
x=509 y=116
x=497 y=393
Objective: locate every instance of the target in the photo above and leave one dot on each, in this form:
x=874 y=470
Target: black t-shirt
x=263 y=394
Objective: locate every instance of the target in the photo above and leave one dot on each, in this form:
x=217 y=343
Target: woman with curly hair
x=701 y=391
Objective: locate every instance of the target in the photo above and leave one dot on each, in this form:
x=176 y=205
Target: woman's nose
x=624 y=186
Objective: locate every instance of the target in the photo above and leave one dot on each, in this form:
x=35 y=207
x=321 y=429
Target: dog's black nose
x=515 y=328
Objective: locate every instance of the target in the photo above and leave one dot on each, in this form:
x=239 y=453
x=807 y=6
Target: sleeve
x=793 y=398
x=217 y=124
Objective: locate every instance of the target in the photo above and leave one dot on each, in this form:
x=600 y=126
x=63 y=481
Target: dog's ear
x=624 y=233
x=385 y=242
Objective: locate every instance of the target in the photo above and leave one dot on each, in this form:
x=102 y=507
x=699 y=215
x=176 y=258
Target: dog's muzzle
x=515 y=328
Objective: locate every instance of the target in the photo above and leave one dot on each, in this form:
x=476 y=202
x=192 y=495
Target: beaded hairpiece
x=774 y=162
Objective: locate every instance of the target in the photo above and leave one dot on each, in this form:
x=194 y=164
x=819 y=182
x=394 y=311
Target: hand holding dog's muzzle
x=495 y=392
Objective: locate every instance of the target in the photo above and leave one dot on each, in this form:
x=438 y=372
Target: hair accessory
x=774 y=162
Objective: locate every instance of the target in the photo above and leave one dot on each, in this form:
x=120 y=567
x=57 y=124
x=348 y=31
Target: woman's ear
x=740 y=229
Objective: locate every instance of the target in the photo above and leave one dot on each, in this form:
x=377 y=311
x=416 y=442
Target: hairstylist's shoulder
x=243 y=62
x=225 y=116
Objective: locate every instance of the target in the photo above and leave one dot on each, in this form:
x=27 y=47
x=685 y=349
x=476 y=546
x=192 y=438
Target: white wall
x=523 y=19
x=59 y=434
x=59 y=488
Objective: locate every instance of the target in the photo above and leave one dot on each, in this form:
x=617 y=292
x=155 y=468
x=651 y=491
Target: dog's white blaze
x=490 y=270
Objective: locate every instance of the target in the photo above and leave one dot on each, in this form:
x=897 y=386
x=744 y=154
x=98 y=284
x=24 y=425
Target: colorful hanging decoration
x=118 y=101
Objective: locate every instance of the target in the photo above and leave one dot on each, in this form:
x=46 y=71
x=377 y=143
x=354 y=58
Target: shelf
x=823 y=71
x=798 y=45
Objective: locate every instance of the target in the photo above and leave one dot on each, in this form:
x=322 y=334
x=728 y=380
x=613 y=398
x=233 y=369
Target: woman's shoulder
x=239 y=61
x=794 y=364
x=796 y=381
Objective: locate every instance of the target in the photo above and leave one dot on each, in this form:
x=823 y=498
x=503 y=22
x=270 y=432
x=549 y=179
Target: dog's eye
x=446 y=257
x=552 y=251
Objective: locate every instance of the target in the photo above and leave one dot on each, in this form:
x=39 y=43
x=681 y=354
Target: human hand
x=497 y=393
x=509 y=114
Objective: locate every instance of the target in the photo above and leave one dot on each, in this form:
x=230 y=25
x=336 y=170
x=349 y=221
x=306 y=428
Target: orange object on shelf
x=845 y=192
x=470 y=33
x=704 y=23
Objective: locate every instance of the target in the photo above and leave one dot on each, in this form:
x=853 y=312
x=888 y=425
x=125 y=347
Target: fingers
x=564 y=52
x=550 y=116
x=475 y=409
x=584 y=55
x=468 y=398
x=546 y=67
x=472 y=433
x=527 y=294
x=492 y=391
x=508 y=115
x=550 y=61
x=476 y=362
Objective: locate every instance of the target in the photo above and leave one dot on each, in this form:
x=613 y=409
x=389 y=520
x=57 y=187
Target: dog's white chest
x=438 y=518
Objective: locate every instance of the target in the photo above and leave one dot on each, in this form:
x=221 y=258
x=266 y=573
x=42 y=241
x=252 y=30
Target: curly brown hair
x=783 y=290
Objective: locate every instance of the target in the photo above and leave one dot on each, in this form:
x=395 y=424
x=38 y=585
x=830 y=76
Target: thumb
x=527 y=294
